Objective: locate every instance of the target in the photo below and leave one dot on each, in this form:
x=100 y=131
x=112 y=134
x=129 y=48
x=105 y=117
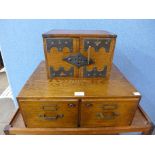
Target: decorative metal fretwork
x=97 y=43
x=61 y=72
x=78 y=60
x=59 y=43
x=94 y=72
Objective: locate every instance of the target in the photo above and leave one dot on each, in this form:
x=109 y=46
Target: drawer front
x=100 y=54
x=49 y=113
x=56 y=50
x=107 y=113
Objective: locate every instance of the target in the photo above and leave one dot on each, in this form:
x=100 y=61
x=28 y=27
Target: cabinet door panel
x=100 y=52
x=56 y=49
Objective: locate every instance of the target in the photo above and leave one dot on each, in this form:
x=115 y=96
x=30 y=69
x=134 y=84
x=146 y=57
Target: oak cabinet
x=82 y=54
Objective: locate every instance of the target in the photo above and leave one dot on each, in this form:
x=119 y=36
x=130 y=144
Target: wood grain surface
x=112 y=101
x=40 y=87
x=141 y=123
x=77 y=33
x=101 y=57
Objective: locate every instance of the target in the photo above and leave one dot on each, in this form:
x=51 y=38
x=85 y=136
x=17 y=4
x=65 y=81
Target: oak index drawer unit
x=52 y=103
x=75 y=53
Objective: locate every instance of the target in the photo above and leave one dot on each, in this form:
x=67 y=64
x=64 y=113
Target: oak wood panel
x=39 y=87
x=50 y=113
x=140 y=123
x=100 y=113
x=54 y=58
x=100 y=57
x=77 y=33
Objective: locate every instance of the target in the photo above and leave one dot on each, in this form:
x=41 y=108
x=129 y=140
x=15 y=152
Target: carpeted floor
x=7 y=108
x=3 y=82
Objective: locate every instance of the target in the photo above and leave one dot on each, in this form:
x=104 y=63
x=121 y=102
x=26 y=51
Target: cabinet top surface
x=78 y=33
x=40 y=87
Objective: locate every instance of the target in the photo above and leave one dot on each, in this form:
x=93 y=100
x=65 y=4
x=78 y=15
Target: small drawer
x=49 y=113
x=100 y=113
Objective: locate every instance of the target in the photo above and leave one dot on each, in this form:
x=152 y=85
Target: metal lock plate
x=59 y=43
x=97 y=43
x=94 y=72
x=78 y=60
x=61 y=72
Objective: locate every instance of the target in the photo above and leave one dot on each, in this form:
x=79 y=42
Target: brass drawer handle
x=109 y=106
x=50 y=118
x=50 y=108
x=107 y=116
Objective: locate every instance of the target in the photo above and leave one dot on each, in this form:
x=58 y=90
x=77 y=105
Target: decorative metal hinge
x=61 y=72
x=94 y=72
x=78 y=60
x=59 y=43
x=97 y=43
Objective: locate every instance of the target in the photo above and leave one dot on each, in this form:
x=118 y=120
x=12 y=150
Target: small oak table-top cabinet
x=45 y=103
x=77 y=53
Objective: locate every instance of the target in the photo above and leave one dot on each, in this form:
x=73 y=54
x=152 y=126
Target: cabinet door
x=57 y=50
x=47 y=114
x=100 y=113
x=99 y=52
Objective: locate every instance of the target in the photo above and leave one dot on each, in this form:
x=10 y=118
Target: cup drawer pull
x=109 y=107
x=106 y=116
x=50 y=118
